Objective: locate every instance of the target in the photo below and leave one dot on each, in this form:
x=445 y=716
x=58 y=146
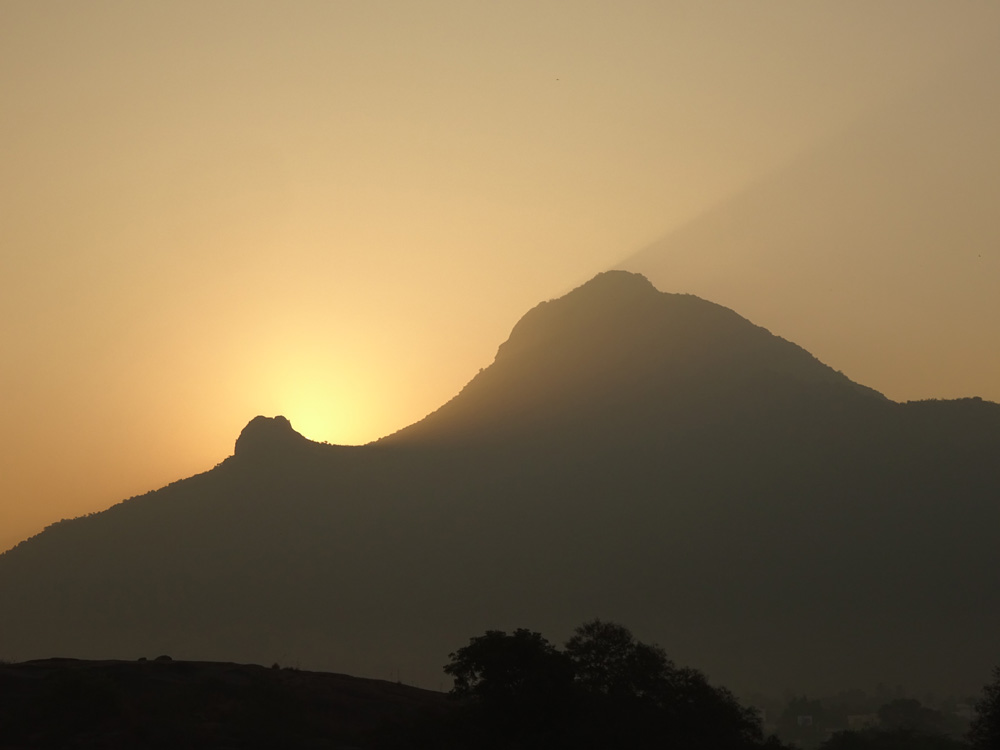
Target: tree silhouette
x=638 y=681
x=520 y=682
x=985 y=731
x=606 y=690
x=609 y=661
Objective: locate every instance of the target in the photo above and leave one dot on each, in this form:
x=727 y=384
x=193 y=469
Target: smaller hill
x=165 y=703
x=268 y=435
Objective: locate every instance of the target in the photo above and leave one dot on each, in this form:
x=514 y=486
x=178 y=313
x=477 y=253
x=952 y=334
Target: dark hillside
x=161 y=703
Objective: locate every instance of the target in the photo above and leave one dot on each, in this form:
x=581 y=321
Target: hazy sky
x=336 y=211
x=877 y=249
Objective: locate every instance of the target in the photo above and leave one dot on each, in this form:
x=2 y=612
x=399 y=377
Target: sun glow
x=324 y=412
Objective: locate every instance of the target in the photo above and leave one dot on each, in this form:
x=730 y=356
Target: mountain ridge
x=600 y=337
x=724 y=506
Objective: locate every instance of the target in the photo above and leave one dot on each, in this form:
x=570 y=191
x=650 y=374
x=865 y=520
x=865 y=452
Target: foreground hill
x=650 y=458
x=169 y=704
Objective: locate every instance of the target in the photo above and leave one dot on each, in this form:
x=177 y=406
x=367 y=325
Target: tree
x=519 y=680
x=985 y=731
x=606 y=690
x=701 y=710
x=653 y=698
x=609 y=661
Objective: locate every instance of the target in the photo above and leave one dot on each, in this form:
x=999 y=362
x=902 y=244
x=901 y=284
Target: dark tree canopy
x=498 y=666
x=609 y=661
x=985 y=731
x=605 y=690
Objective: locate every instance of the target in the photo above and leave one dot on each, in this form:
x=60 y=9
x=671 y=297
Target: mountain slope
x=593 y=352
x=649 y=458
x=160 y=702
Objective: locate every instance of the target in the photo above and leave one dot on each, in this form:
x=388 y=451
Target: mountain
x=616 y=349
x=638 y=456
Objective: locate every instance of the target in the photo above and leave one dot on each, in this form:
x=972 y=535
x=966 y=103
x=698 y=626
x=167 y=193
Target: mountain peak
x=264 y=434
x=607 y=296
x=606 y=293
x=618 y=346
x=619 y=282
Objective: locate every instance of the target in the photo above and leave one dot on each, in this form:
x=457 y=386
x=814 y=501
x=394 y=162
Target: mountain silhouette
x=645 y=457
x=588 y=355
x=266 y=436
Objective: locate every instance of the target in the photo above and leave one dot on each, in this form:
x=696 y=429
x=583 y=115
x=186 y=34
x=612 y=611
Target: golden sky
x=336 y=211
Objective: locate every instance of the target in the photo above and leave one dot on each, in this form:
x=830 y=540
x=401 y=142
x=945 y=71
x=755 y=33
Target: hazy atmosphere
x=337 y=211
